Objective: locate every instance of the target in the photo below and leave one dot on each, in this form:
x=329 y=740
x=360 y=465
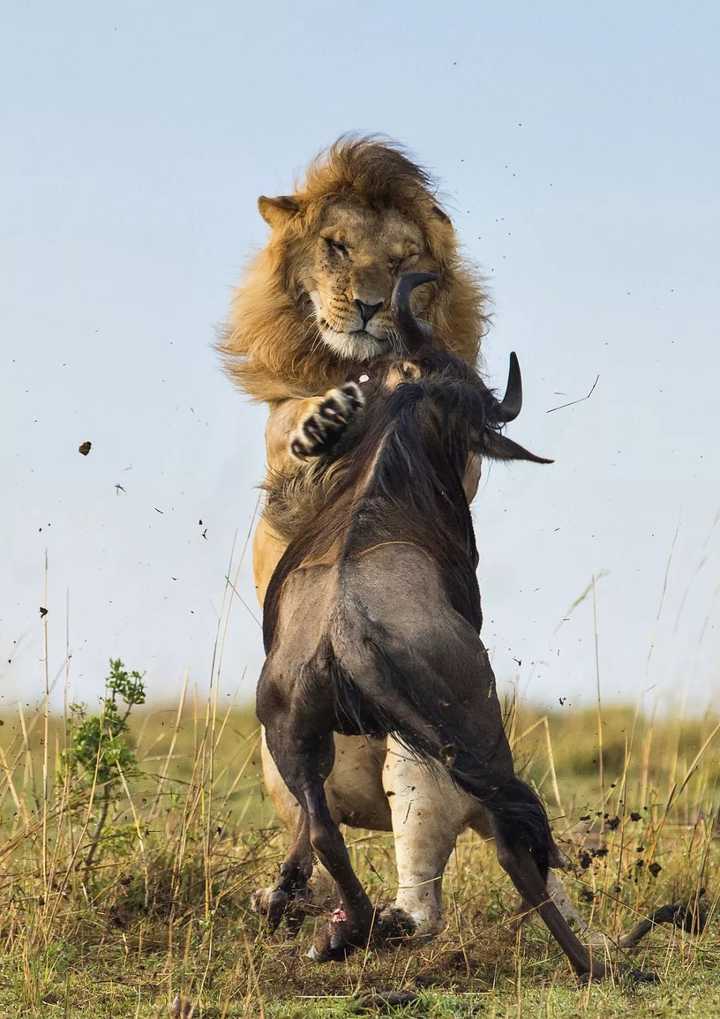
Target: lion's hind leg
x=428 y=813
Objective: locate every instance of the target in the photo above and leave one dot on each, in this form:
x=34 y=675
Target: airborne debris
x=85 y=447
x=582 y=399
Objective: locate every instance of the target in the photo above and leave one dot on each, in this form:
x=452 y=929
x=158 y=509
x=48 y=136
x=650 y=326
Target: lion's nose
x=367 y=310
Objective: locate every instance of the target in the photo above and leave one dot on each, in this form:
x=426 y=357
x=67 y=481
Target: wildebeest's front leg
x=304 y=755
x=350 y=926
x=285 y=898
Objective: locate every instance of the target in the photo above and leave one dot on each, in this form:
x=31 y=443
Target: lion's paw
x=320 y=431
x=395 y=924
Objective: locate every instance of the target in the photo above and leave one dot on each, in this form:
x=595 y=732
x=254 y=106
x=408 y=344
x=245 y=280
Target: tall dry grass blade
x=553 y=773
x=663 y=592
x=580 y=599
x=20 y=806
x=138 y=831
x=46 y=730
x=698 y=757
x=596 y=641
x=165 y=770
x=243 y=767
x=29 y=771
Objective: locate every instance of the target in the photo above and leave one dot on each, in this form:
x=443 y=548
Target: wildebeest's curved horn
x=511 y=404
x=413 y=331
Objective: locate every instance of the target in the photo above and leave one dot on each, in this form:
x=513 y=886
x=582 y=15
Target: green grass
x=164 y=910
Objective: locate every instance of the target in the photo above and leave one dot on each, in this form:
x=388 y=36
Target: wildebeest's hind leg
x=285 y=898
x=304 y=760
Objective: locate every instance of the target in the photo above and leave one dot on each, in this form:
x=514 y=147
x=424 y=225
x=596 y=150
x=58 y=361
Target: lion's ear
x=277 y=211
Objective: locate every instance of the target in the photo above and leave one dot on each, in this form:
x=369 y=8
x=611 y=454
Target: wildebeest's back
x=413 y=657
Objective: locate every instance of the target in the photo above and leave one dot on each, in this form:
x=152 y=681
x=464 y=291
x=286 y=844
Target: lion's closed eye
x=336 y=247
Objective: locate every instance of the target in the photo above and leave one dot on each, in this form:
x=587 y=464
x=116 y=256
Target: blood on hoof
x=690 y=916
x=601 y=970
x=382 y=1001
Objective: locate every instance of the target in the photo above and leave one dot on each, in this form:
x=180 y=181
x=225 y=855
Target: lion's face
x=348 y=272
x=317 y=294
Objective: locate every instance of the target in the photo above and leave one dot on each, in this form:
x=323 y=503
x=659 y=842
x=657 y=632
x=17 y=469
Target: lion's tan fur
x=271 y=345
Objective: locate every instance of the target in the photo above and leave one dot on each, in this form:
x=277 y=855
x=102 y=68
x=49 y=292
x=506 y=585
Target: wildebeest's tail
x=407 y=705
x=520 y=817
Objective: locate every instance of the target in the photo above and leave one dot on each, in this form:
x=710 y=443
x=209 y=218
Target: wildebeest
x=371 y=625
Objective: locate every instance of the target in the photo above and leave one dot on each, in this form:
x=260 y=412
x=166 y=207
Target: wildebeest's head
x=491 y=413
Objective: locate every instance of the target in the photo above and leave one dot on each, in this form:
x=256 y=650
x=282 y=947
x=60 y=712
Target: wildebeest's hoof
x=276 y=906
x=270 y=903
x=339 y=940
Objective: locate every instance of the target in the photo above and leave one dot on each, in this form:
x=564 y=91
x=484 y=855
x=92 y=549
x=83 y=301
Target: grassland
x=163 y=908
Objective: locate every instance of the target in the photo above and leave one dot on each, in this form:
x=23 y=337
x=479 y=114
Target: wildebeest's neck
x=411 y=488
x=401 y=482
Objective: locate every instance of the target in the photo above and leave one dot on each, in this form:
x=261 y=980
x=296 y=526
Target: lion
x=312 y=311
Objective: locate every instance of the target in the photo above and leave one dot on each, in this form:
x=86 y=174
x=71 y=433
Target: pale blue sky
x=577 y=145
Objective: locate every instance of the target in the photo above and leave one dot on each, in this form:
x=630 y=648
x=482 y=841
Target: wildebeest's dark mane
x=400 y=480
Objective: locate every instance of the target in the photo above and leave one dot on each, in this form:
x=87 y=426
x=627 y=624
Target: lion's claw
x=321 y=430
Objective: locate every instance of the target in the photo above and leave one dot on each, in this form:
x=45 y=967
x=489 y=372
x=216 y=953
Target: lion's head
x=316 y=299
